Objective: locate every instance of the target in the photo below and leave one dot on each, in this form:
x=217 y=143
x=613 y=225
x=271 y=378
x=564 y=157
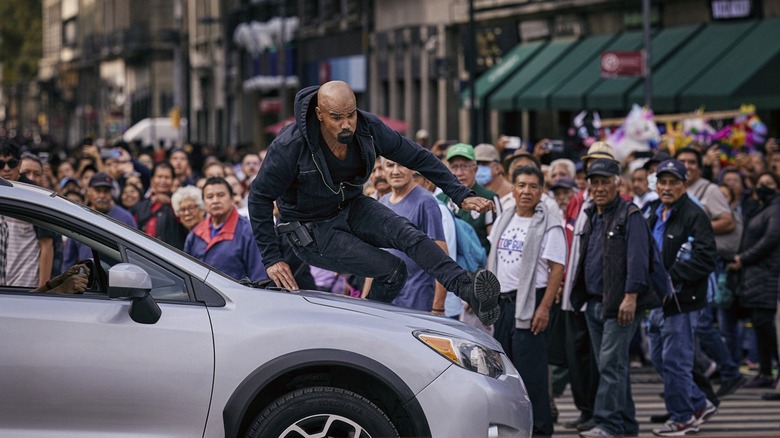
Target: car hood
x=414 y=319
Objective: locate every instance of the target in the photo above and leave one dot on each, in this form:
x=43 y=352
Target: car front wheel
x=322 y=412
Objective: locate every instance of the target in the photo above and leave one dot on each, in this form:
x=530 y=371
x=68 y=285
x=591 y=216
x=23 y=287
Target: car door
x=79 y=364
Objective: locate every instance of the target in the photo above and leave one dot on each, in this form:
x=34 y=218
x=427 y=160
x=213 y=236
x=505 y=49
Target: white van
x=153 y=130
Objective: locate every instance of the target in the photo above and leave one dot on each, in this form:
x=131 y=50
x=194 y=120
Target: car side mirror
x=130 y=281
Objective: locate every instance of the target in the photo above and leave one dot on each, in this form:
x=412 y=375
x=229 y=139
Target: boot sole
x=486 y=289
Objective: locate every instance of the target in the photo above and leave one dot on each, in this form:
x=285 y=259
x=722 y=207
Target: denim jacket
x=295 y=173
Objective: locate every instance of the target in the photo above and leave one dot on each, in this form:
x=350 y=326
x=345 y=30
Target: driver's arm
x=71 y=281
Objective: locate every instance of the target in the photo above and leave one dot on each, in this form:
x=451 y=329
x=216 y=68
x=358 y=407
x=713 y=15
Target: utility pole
x=178 y=68
x=283 y=62
x=472 y=66
x=648 y=53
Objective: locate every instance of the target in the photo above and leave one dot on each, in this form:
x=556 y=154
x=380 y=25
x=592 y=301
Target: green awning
x=611 y=94
x=572 y=94
x=505 y=96
x=494 y=77
x=697 y=56
x=746 y=73
x=537 y=94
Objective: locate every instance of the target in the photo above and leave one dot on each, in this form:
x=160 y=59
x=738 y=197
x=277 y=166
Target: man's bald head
x=334 y=93
x=337 y=111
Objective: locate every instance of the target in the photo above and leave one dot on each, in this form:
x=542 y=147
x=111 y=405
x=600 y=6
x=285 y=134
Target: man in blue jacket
x=677 y=221
x=315 y=170
x=224 y=239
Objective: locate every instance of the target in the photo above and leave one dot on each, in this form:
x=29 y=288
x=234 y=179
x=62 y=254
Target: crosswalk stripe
x=742 y=414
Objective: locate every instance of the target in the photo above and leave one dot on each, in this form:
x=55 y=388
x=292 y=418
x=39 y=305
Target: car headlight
x=466 y=354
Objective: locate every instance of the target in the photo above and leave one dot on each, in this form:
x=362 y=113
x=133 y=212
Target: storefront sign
x=733 y=9
x=616 y=64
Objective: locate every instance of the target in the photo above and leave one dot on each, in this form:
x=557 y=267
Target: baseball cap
x=101 y=179
x=674 y=167
x=657 y=158
x=563 y=183
x=600 y=149
x=604 y=167
x=69 y=179
x=461 y=150
x=486 y=152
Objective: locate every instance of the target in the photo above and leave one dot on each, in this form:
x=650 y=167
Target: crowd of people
x=602 y=265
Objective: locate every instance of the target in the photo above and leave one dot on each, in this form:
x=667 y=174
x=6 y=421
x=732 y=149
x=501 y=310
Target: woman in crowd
x=187 y=202
x=758 y=262
x=130 y=196
x=155 y=215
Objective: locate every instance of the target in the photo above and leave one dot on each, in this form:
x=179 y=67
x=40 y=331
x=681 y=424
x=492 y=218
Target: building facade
x=232 y=67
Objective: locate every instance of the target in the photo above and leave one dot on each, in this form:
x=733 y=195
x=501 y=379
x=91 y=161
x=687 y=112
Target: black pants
x=529 y=354
x=583 y=371
x=352 y=241
x=766 y=338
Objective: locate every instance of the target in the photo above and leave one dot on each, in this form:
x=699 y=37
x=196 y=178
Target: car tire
x=322 y=411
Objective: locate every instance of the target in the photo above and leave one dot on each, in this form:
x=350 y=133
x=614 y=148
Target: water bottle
x=686 y=250
x=683 y=255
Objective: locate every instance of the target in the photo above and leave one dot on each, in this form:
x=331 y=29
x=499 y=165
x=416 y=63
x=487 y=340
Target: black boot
x=481 y=293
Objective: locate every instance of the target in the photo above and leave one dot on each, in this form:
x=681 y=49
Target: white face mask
x=652 y=179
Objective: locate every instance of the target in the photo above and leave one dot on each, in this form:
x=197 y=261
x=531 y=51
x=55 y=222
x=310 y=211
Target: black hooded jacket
x=295 y=174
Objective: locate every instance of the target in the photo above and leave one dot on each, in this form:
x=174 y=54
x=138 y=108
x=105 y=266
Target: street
x=742 y=414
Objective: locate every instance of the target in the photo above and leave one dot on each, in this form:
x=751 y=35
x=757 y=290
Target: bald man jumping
x=315 y=170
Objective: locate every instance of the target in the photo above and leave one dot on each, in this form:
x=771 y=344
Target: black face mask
x=765 y=194
x=345 y=137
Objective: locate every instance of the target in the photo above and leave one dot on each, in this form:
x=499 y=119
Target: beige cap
x=599 y=149
x=487 y=152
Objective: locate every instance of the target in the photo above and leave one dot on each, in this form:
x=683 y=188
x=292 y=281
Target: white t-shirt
x=509 y=253
x=23 y=254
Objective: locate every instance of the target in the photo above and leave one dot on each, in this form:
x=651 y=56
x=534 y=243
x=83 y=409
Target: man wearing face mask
x=315 y=170
x=650 y=166
x=490 y=174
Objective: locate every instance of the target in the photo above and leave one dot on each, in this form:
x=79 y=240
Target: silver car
x=163 y=345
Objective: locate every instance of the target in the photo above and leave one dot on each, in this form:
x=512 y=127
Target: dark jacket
x=760 y=256
x=616 y=254
x=295 y=174
x=169 y=229
x=687 y=219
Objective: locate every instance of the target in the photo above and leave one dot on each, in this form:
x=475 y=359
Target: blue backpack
x=471 y=254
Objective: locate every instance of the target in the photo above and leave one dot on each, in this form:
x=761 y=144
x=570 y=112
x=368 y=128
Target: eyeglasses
x=12 y=163
x=457 y=167
x=192 y=209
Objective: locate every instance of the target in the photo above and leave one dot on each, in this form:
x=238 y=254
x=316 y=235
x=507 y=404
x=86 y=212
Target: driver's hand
x=73 y=282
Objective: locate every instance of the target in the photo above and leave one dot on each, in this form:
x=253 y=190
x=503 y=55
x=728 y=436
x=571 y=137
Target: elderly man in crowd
x=490 y=174
x=463 y=164
x=528 y=254
x=409 y=200
x=676 y=222
x=224 y=239
x=99 y=199
x=613 y=278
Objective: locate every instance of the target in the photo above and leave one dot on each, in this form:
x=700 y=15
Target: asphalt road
x=742 y=414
